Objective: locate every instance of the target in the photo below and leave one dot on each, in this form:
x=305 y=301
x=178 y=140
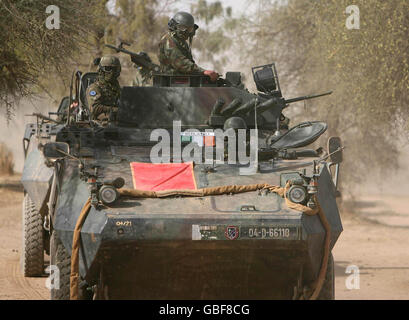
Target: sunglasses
x=109 y=69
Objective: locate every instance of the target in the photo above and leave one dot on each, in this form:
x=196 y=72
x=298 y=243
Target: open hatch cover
x=301 y=135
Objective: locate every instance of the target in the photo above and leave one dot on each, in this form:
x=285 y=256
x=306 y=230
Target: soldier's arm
x=95 y=102
x=179 y=62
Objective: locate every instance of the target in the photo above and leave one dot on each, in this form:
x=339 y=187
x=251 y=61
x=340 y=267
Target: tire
x=328 y=288
x=62 y=260
x=32 y=256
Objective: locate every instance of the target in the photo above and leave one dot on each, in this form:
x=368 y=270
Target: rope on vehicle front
x=221 y=190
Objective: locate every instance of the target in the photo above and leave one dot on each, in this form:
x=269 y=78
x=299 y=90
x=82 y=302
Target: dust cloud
x=12 y=131
x=389 y=180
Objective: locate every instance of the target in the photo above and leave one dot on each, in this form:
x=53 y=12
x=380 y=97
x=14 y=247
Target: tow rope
x=75 y=254
x=222 y=190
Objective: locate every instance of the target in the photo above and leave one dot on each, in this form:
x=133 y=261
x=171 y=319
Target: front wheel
x=61 y=260
x=32 y=256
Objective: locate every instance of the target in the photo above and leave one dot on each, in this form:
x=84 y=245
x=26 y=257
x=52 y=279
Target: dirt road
x=12 y=283
x=375 y=239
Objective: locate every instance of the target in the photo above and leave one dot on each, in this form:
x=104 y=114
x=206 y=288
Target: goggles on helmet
x=186 y=28
x=109 y=69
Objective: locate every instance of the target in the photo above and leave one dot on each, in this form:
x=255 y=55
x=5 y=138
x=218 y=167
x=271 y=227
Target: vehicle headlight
x=108 y=194
x=297 y=194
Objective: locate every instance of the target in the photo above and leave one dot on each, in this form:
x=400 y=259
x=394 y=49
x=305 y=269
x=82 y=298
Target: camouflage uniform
x=103 y=97
x=175 y=56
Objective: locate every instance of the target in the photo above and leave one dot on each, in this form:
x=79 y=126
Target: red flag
x=163 y=176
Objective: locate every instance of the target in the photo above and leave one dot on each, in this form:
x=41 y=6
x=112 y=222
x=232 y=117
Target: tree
x=212 y=40
x=30 y=52
x=367 y=69
x=143 y=23
x=37 y=60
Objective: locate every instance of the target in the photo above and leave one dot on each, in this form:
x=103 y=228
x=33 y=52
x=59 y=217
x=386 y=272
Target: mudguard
x=36 y=178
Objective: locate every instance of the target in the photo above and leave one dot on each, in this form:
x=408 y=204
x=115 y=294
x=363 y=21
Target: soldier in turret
x=175 y=53
x=103 y=94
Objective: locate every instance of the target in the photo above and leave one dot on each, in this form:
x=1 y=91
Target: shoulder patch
x=92 y=93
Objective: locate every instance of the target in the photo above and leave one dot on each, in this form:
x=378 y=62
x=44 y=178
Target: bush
x=6 y=160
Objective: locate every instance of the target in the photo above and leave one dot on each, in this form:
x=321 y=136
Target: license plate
x=272 y=232
x=237 y=232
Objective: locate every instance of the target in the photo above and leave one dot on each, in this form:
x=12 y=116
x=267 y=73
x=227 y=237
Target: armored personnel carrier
x=128 y=216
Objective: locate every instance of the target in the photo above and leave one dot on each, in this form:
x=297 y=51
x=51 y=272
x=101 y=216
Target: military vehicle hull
x=180 y=248
x=233 y=246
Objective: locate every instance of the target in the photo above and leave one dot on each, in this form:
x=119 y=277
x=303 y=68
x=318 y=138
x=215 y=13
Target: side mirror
x=334 y=144
x=264 y=78
x=55 y=150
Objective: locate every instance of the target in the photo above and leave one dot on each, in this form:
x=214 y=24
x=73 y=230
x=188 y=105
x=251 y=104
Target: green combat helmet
x=183 y=24
x=234 y=123
x=109 y=67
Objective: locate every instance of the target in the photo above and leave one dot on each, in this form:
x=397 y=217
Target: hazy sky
x=237 y=5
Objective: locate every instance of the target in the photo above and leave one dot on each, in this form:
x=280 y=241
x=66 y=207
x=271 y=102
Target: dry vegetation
x=36 y=60
x=6 y=161
x=368 y=69
x=33 y=58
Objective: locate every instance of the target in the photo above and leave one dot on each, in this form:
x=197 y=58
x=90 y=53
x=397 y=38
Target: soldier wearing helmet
x=175 y=53
x=103 y=94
